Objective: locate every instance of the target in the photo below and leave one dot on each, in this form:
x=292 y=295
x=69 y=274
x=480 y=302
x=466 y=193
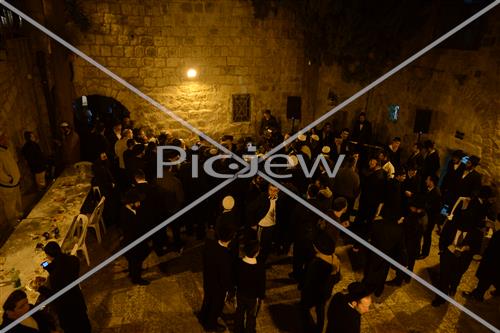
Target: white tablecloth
x=58 y=208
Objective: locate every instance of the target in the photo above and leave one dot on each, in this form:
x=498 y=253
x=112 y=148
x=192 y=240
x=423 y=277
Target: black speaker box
x=293 y=107
x=422 y=121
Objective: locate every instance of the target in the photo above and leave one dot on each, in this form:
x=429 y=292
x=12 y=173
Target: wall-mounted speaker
x=422 y=121
x=293 y=107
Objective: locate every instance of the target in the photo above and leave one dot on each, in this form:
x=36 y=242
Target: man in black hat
x=431 y=163
x=135 y=161
x=321 y=275
x=371 y=185
x=303 y=222
x=387 y=236
x=345 y=310
x=154 y=209
x=392 y=205
x=452 y=177
x=413 y=226
x=459 y=241
x=36 y=159
x=362 y=130
x=488 y=272
x=250 y=286
x=132 y=229
x=432 y=197
x=217 y=278
x=70 y=307
x=394 y=152
x=470 y=182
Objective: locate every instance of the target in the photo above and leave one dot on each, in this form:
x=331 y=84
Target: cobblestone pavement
x=169 y=303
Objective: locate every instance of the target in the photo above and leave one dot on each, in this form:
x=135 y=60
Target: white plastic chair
x=96 y=221
x=80 y=232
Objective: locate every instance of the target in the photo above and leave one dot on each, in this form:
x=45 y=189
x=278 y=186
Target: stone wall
x=151 y=44
x=461 y=87
x=21 y=100
x=21 y=106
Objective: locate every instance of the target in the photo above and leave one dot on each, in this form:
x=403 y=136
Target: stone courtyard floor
x=175 y=294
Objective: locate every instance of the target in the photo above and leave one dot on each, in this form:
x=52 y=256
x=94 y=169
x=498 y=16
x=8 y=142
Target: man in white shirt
x=263 y=219
x=387 y=166
x=121 y=146
x=10 y=194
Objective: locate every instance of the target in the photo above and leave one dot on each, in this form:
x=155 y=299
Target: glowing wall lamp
x=192 y=73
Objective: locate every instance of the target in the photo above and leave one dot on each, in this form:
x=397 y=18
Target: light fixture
x=192 y=73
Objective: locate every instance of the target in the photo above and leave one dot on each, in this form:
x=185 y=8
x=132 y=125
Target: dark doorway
x=99 y=110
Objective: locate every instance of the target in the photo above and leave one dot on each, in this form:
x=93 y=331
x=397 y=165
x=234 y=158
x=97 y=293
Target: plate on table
x=36 y=283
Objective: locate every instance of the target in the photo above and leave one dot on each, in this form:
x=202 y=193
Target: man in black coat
x=387 y=236
x=413 y=225
x=251 y=288
x=392 y=204
x=134 y=161
x=103 y=178
x=35 y=158
x=268 y=122
x=98 y=142
x=452 y=177
x=411 y=186
x=153 y=210
x=362 y=130
x=261 y=217
x=321 y=275
x=133 y=228
x=173 y=199
x=394 y=152
x=459 y=241
x=70 y=307
x=416 y=158
x=470 y=182
x=432 y=197
x=345 y=310
x=372 y=189
x=432 y=163
x=218 y=278
x=303 y=222
x=488 y=272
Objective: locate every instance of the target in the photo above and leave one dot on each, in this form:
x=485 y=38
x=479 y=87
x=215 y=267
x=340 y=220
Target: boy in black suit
x=250 y=288
x=217 y=278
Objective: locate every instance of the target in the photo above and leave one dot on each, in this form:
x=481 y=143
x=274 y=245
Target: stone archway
x=93 y=110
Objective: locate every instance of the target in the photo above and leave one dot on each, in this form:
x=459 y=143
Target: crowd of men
x=397 y=205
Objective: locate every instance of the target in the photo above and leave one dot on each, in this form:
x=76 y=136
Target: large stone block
x=151 y=51
x=139 y=51
x=118 y=51
x=149 y=82
x=174 y=62
x=105 y=51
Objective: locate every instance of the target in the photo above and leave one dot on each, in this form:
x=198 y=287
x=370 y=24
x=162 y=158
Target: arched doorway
x=93 y=110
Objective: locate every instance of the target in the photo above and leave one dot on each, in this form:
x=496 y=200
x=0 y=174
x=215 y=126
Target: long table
x=57 y=209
